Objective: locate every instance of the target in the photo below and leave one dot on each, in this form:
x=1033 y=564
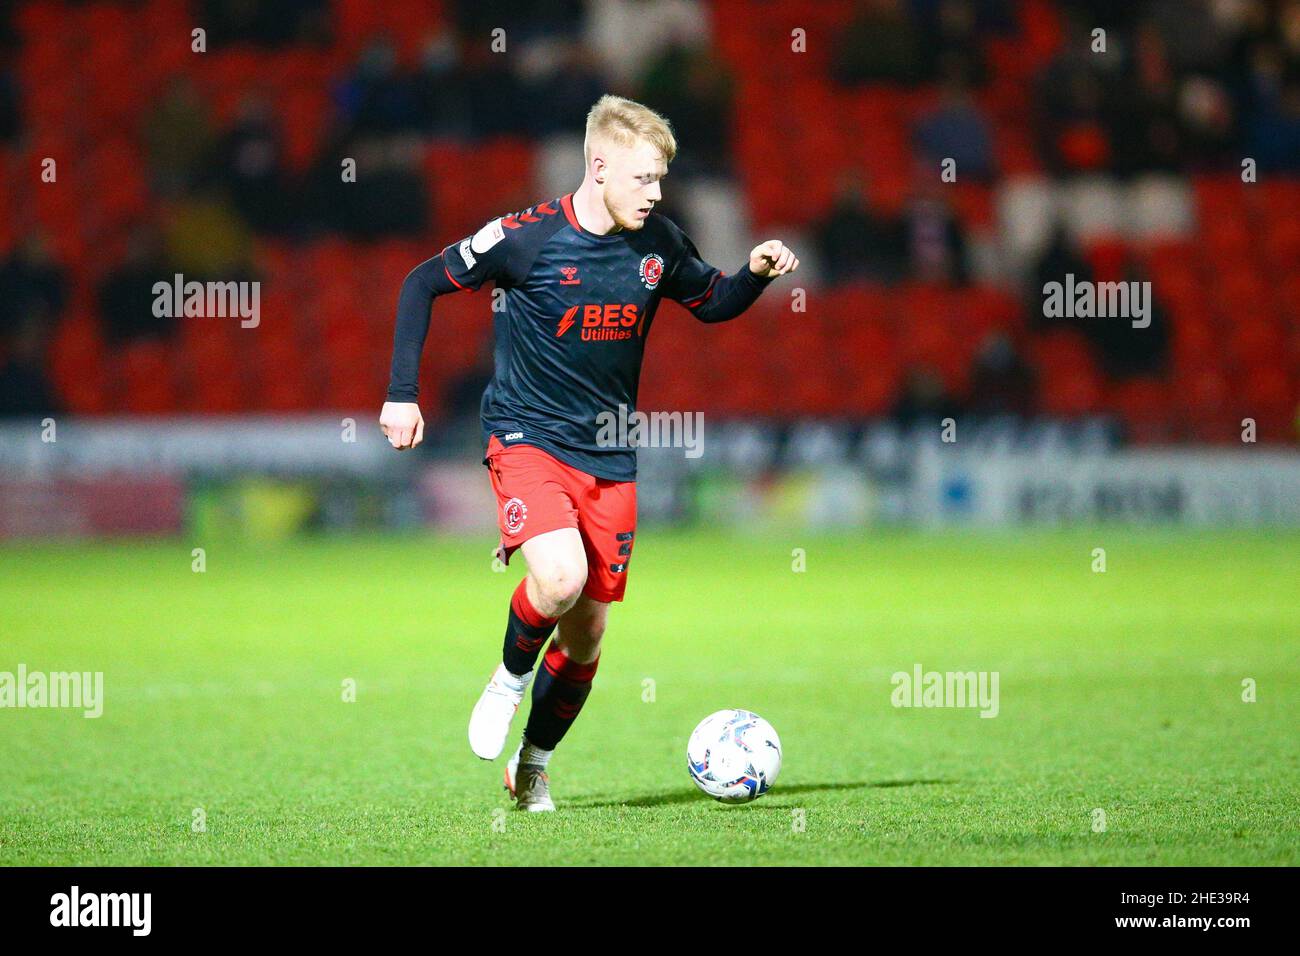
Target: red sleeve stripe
x=453 y=279
x=701 y=299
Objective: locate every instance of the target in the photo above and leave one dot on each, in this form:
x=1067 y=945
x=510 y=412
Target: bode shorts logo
x=613 y=322
x=516 y=512
x=652 y=270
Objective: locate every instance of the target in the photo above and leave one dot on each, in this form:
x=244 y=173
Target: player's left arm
x=713 y=296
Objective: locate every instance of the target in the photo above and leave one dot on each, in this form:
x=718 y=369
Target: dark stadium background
x=824 y=124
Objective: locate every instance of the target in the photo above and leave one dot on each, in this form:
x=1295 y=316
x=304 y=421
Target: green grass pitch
x=1119 y=691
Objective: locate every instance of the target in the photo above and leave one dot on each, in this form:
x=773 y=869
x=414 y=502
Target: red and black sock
x=560 y=690
x=526 y=632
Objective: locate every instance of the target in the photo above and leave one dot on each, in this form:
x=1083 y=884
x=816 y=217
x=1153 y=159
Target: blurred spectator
x=855 y=243
x=322 y=192
x=442 y=90
x=1059 y=259
x=1073 y=132
x=528 y=19
x=882 y=43
x=568 y=86
x=1189 y=31
x=178 y=138
x=1124 y=351
x=10 y=109
x=934 y=242
x=34 y=286
x=1142 y=107
x=957 y=130
x=951 y=43
x=1273 y=137
x=24 y=388
x=1288 y=21
x=1121 y=350
x=8 y=30
x=1185 y=85
x=1110 y=15
x=990 y=16
x=389 y=197
x=691 y=88
x=378 y=97
x=498 y=102
x=206 y=240
x=266 y=24
x=251 y=163
x=1207 y=123
x=924 y=400
x=657 y=26
x=1002 y=382
x=126 y=295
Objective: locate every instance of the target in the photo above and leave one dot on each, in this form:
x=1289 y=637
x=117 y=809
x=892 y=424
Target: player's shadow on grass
x=689 y=794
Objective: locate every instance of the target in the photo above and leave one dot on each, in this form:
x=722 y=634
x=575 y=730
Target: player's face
x=632 y=183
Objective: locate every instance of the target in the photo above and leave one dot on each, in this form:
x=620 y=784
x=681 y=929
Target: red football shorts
x=537 y=493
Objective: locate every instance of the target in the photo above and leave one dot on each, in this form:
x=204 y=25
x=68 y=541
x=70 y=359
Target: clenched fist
x=402 y=423
x=771 y=259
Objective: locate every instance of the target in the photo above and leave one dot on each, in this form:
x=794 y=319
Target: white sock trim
x=517 y=683
x=533 y=756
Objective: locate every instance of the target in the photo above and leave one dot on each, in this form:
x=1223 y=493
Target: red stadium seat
x=77 y=369
x=1143 y=404
x=1255 y=342
x=1071 y=392
x=1071 y=384
x=1272 y=398
x=1109 y=260
x=872 y=367
x=148 y=378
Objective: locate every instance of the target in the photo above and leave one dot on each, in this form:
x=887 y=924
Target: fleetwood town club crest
x=652 y=269
x=515 y=513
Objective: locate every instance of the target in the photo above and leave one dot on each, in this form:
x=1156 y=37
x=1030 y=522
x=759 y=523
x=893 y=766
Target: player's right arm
x=463 y=265
x=711 y=295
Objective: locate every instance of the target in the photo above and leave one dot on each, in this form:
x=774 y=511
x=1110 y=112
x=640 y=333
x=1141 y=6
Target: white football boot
x=529 y=785
x=489 y=724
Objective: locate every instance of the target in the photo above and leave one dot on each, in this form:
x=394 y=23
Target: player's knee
x=560 y=586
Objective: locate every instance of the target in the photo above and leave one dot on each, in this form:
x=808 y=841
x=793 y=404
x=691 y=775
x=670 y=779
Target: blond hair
x=625 y=121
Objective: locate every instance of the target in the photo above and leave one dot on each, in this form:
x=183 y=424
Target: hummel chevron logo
x=512 y=222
